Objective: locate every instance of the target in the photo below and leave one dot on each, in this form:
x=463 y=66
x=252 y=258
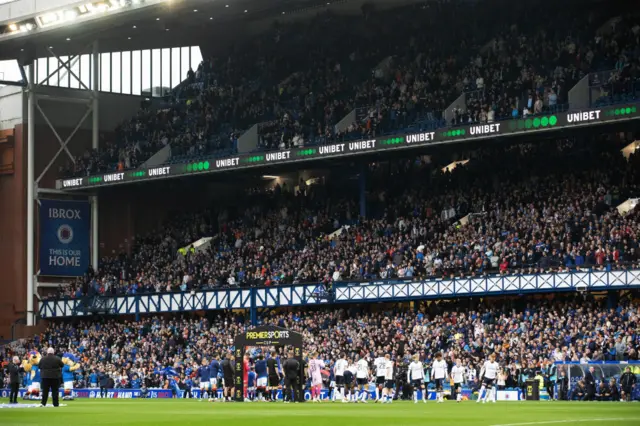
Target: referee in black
x=14 y=369
x=291 y=369
x=51 y=374
x=228 y=374
x=273 y=371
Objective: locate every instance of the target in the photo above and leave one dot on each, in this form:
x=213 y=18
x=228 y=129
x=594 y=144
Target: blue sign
x=64 y=237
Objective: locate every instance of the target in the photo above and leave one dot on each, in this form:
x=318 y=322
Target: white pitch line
x=549 y=422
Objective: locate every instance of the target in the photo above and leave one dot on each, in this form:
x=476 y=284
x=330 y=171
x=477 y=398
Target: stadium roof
x=166 y=23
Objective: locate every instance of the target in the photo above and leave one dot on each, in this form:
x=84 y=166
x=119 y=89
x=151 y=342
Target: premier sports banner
x=64 y=237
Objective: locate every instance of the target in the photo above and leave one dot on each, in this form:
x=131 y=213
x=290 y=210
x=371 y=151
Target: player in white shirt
x=439 y=373
x=380 y=364
x=458 y=372
x=362 y=378
x=489 y=373
x=415 y=376
x=387 y=391
x=338 y=371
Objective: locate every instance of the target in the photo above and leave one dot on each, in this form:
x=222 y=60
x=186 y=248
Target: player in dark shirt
x=216 y=369
x=262 y=377
x=349 y=380
x=204 y=373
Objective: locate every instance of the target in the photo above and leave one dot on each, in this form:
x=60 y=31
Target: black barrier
x=533 y=390
x=264 y=336
x=530 y=125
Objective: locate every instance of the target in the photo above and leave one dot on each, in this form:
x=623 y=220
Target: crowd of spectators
x=391 y=79
x=529 y=69
x=526 y=334
x=620 y=82
x=525 y=69
x=195 y=118
x=548 y=206
x=138 y=138
x=300 y=80
x=521 y=208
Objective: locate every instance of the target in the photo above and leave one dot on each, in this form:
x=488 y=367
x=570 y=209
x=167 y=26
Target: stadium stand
x=307 y=79
x=547 y=206
x=540 y=205
x=527 y=334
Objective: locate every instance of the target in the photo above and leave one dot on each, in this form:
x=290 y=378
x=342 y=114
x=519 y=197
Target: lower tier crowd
x=526 y=335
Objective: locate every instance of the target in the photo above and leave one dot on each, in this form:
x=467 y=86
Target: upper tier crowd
x=527 y=335
x=300 y=80
x=521 y=208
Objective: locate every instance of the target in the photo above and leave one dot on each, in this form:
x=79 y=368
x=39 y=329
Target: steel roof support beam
x=53 y=191
x=60 y=66
x=95 y=139
x=13 y=83
x=23 y=73
x=86 y=96
x=31 y=101
x=65 y=64
x=76 y=58
x=63 y=144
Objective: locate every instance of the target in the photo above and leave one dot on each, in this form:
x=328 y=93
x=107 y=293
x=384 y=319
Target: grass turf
x=192 y=412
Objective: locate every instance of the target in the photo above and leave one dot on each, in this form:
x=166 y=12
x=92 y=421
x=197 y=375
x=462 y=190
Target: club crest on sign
x=65 y=234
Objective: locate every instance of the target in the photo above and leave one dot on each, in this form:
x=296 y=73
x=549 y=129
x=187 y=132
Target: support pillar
x=613 y=298
x=31 y=106
x=253 y=311
x=363 y=190
x=95 y=136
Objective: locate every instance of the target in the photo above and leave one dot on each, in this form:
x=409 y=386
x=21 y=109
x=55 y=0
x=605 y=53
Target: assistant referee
x=51 y=374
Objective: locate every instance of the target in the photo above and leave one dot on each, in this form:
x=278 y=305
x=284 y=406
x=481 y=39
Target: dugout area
x=265 y=336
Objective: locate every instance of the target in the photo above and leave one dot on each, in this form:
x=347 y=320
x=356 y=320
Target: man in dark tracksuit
x=14 y=369
x=627 y=384
x=103 y=380
x=563 y=387
x=590 y=383
x=291 y=369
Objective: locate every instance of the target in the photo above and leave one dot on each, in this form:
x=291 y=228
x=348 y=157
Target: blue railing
x=347 y=292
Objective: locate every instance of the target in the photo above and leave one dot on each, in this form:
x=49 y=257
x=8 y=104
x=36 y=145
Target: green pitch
x=191 y=412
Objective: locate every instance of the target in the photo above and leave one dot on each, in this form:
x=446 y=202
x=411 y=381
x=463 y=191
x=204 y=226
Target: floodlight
x=70 y=15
